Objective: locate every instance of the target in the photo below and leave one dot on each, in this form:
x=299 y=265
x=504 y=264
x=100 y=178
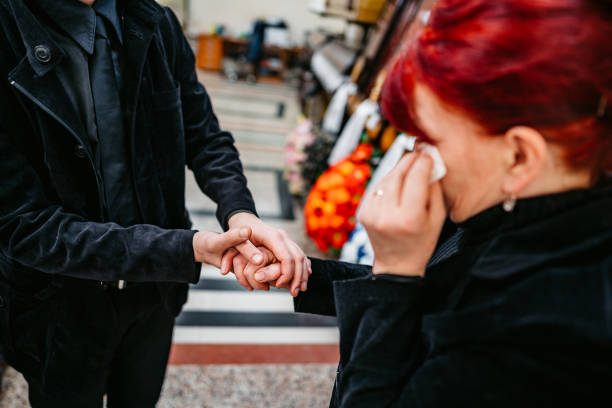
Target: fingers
x=250 y=252
x=239 y=264
x=277 y=243
x=251 y=269
x=305 y=275
x=298 y=275
x=416 y=185
x=228 y=260
x=392 y=184
x=269 y=274
x=272 y=273
x=249 y=274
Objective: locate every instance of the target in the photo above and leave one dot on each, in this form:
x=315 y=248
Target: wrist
x=196 y=253
x=241 y=218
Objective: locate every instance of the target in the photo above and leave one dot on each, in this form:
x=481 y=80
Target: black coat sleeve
x=380 y=342
x=211 y=153
x=319 y=298
x=383 y=360
x=38 y=234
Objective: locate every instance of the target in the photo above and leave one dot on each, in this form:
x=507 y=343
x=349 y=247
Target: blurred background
x=297 y=83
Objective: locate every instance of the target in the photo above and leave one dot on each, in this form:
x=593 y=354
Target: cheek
x=451 y=188
x=456 y=186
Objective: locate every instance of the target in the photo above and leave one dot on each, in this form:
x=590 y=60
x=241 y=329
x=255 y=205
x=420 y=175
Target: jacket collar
x=29 y=76
x=144 y=17
x=554 y=229
x=76 y=19
x=34 y=35
x=533 y=210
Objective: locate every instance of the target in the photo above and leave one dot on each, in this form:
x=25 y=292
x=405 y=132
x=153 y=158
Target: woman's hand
x=287 y=253
x=260 y=276
x=404 y=217
x=209 y=247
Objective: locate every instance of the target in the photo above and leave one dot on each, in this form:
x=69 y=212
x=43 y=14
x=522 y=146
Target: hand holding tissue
x=439 y=169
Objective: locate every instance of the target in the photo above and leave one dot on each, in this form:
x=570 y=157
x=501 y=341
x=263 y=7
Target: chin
x=451 y=210
x=455 y=218
x=456 y=215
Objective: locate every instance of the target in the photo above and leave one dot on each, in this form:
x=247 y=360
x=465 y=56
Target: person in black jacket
x=508 y=302
x=100 y=112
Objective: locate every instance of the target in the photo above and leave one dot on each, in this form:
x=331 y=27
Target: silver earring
x=510 y=203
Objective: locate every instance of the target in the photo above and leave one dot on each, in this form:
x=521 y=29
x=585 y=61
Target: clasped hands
x=403 y=220
x=260 y=256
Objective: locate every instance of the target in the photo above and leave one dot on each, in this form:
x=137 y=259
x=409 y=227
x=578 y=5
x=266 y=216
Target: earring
x=510 y=203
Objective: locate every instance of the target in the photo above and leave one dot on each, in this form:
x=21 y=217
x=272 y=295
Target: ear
x=525 y=155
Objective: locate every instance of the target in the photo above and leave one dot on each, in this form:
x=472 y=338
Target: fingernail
x=244 y=232
x=260 y=276
x=257 y=259
x=304 y=286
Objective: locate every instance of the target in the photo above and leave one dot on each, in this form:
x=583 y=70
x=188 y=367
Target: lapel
x=33 y=76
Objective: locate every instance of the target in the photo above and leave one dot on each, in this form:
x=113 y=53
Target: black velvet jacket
x=520 y=316
x=52 y=225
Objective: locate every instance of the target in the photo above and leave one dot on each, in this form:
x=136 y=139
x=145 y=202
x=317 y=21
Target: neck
x=558 y=183
x=88 y=2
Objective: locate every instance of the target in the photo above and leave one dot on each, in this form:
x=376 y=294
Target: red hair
x=540 y=63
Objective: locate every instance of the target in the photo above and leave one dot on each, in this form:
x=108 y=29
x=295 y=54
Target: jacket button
x=42 y=53
x=80 y=151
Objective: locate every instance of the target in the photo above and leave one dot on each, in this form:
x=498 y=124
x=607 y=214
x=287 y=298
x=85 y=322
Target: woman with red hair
x=511 y=303
x=493 y=286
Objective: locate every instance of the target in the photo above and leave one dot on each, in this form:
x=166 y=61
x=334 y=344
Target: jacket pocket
x=168 y=99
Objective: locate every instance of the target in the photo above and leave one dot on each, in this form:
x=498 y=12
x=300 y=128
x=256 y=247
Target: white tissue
x=439 y=169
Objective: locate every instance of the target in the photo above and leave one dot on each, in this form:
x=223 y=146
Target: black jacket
x=52 y=226
x=520 y=316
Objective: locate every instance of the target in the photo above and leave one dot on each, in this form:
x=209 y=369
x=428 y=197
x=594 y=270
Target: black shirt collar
x=108 y=10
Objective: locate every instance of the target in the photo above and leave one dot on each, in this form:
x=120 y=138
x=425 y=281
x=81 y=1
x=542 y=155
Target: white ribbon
x=335 y=112
x=349 y=139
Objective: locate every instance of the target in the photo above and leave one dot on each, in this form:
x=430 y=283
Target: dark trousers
x=106 y=341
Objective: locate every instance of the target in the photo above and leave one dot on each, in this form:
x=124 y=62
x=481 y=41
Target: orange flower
x=332 y=203
x=339 y=239
x=338 y=196
x=346 y=167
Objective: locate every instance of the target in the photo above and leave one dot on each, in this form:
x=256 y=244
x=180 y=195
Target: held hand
x=209 y=247
x=404 y=217
x=287 y=253
x=252 y=276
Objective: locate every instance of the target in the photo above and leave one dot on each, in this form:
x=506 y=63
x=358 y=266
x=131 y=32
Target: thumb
x=231 y=238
